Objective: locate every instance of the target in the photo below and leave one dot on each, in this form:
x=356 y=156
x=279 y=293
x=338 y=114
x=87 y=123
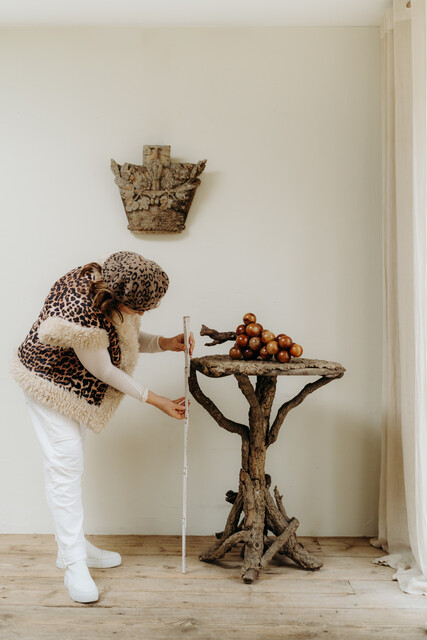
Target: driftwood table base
x=254 y=512
x=253 y=515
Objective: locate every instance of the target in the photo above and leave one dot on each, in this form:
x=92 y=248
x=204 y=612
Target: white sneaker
x=79 y=583
x=96 y=558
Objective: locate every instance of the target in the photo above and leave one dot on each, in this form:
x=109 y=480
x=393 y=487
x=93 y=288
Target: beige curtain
x=403 y=492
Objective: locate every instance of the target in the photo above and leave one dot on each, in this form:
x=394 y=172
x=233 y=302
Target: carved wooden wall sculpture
x=157 y=195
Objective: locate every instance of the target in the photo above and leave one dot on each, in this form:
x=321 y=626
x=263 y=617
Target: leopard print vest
x=47 y=367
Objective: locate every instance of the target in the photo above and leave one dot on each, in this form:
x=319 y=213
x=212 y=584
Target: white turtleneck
x=98 y=363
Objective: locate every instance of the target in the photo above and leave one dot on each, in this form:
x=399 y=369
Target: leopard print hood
x=46 y=366
x=137 y=282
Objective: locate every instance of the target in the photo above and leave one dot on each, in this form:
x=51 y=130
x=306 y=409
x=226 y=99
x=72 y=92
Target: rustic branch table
x=254 y=512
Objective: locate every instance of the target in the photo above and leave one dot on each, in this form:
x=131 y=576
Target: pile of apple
x=252 y=340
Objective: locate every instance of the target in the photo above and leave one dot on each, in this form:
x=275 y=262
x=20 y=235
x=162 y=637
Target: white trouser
x=61 y=440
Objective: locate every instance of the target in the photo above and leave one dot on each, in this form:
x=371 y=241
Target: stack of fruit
x=252 y=340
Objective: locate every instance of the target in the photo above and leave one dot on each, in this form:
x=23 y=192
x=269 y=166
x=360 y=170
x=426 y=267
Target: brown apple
x=248 y=354
x=283 y=356
x=235 y=353
x=267 y=336
x=242 y=340
x=295 y=350
x=253 y=329
x=272 y=347
x=285 y=342
x=249 y=317
x=255 y=343
x=263 y=354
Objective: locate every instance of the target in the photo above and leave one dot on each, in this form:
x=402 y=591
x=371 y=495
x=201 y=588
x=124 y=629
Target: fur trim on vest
x=47 y=368
x=61 y=333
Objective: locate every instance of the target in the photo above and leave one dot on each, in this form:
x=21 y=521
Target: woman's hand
x=176 y=343
x=172 y=408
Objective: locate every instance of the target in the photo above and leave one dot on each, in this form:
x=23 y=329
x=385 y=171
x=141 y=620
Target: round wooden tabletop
x=217 y=366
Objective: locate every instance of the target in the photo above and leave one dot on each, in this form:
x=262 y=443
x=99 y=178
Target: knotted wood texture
x=254 y=512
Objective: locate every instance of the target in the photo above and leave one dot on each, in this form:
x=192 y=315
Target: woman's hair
x=102 y=296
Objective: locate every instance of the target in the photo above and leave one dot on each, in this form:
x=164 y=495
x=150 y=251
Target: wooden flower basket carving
x=157 y=195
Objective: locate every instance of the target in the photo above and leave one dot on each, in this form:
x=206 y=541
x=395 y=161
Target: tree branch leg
x=293 y=549
x=225 y=546
x=212 y=409
x=279 y=542
x=230 y=528
x=294 y=402
x=265 y=392
x=255 y=521
x=280 y=504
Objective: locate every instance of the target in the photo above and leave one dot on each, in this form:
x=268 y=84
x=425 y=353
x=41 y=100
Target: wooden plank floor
x=147 y=598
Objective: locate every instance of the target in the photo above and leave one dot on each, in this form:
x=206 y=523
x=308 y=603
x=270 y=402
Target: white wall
x=285 y=224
